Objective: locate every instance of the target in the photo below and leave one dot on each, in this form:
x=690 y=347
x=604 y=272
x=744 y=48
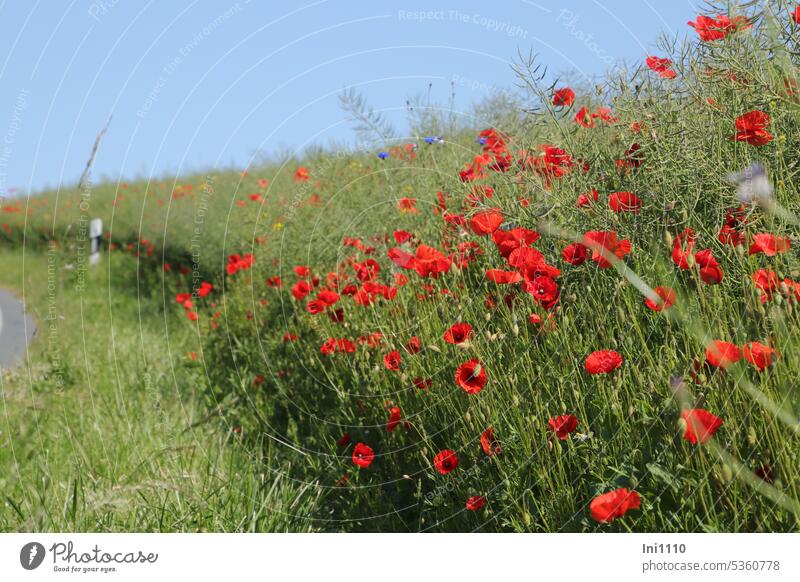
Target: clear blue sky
x=199 y=84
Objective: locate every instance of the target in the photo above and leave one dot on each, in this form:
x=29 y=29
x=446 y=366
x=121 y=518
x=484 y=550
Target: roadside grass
x=101 y=428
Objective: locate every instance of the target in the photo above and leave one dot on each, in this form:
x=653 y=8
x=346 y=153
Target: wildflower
x=363 y=455
x=603 y=362
x=752 y=128
x=394 y=419
x=563 y=425
x=759 y=355
x=574 y=254
x=769 y=244
x=458 y=333
x=586 y=199
x=609 y=506
x=489 y=444
x=661 y=66
x=564 y=97
x=383 y=155
x=471 y=376
x=666 y=299
x=392 y=360
x=445 y=461
x=624 y=202
x=700 y=425
x=710 y=29
x=720 y=354
x=604 y=243
x=485 y=223
x=476 y=502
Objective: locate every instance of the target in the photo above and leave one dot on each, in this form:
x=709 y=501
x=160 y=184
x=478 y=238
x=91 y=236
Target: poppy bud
x=727 y=473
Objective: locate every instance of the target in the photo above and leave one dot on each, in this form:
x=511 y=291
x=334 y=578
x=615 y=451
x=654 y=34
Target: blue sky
x=201 y=84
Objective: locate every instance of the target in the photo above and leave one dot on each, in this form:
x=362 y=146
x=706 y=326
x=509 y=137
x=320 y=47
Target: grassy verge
x=100 y=429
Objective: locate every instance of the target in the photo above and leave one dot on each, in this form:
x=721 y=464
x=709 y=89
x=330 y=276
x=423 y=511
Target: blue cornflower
x=383 y=155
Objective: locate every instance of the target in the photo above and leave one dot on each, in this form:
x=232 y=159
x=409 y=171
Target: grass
x=261 y=373
x=101 y=429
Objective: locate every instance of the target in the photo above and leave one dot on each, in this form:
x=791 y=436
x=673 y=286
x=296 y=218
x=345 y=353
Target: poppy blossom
x=503 y=277
x=564 y=97
x=604 y=244
x=489 y=444
x=423 y=383
x=363 y=455
x=700 y=425
x=603 y=362
x=584 y=117
x=476 y=502
x=445 y=461
x=752 y=128
x=661 y=66
x=413 y=345
x=710 y=271
x=485 y=223
x=769 y=244
x=624 y=202
x=574 y=254
x=720 y=354
x=471 y=376
x=544 y=290
x=394 y=419
x=392 y=360
x=609 y=506
x=758 y=354
x=344 y=440
x=458 y=333
x=710 y=29
x=586 y=199
x=563 y=425
x=666 y=299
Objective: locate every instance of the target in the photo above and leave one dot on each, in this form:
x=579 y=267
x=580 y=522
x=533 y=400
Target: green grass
x=102 y=430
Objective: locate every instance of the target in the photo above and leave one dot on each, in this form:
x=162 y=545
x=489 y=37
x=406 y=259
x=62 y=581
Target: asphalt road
x=16 y=329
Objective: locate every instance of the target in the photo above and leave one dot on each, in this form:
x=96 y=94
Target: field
x=580 y=315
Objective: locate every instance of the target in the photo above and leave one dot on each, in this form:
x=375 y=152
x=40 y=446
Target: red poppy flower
x=301 y=175
x=661 y=66
x=413 y=345
x=458 y=333
x=586 y=199
x=344 y=440
x=666 y=299
x=507 y=241
x=752 y=128
x=605 y=242
x=430 y=262
x=584 y=118
x=471 y=376
x=205 y=289
x=423 y=383
x=796 y=15
x=489 y=444
x=392 y=360
x=446 y=461
x=700 y=425
x=363 y=455
x=758 y=354
x=563 y=425
x=476 y=502
x=275 y=282
x=300 y=290
x=401 y=236
x=624 y=202
x=574 y=254
x=709 y=29
x=710 y=271
x=564 y=97
x=503 y=277
x=486 y=222
x=720 y=354
x=766 y=281
x=603 y=362
x=394 y=419
x=682 y=248
x=609 y=506
x=408 y=205
x=769 y=244
x=544 y=290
